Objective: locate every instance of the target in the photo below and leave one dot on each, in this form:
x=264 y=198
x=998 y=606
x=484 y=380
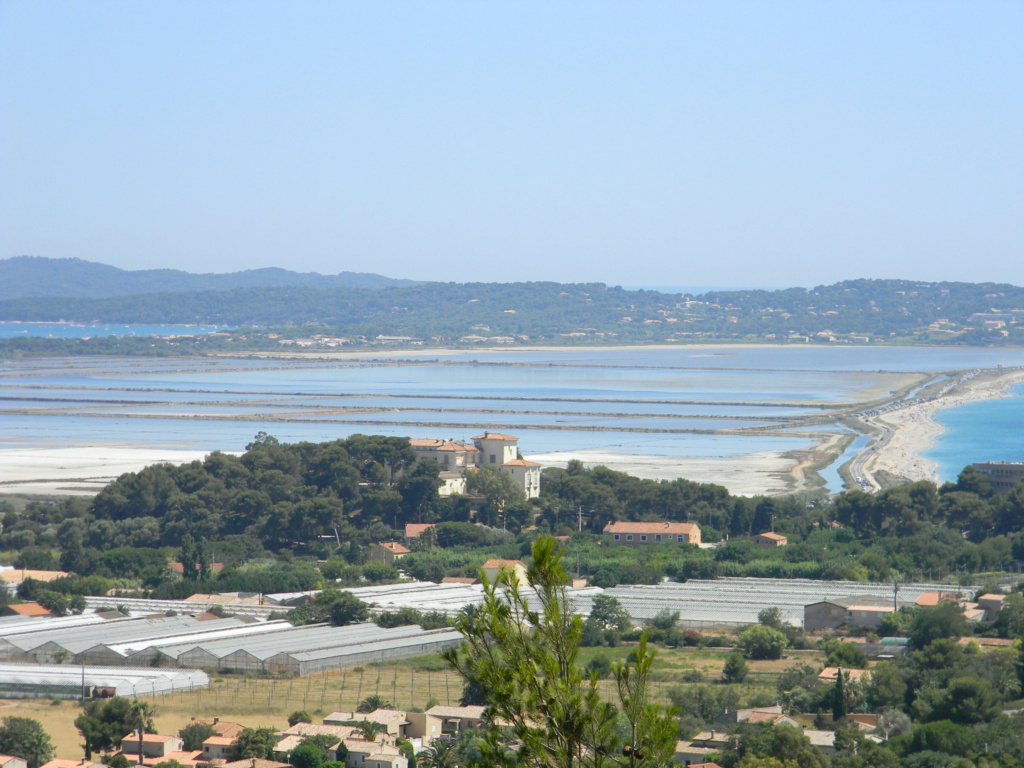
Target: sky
x=716 y=143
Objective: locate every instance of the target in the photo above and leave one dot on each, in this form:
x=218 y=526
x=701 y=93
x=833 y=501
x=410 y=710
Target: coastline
x=426 y=351
x=912 y=431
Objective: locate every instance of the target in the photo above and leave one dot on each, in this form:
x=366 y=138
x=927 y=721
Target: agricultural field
x=409 y=683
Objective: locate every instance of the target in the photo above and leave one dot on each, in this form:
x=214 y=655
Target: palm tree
x=373 y=702
x=140 y=719
x=371 y=730
x=440 y=754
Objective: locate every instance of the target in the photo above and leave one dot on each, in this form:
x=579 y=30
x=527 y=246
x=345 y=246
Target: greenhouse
x=58 y=681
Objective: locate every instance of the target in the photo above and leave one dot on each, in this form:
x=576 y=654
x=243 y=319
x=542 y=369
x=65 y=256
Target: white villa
x=490 y=448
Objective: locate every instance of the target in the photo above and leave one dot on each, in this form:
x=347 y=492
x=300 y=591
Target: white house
x=489 y=449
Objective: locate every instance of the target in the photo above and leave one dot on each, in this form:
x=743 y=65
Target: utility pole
x=581 y=518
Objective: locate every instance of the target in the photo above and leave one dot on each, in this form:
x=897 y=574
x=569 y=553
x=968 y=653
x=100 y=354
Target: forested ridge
x=856 y=311
x=23 y=276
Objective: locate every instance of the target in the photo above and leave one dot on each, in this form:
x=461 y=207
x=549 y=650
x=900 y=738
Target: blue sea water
x=74 y=331
x=988 y=430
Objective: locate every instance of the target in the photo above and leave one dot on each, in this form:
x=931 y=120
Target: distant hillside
x=851 y=312
x=31 y=276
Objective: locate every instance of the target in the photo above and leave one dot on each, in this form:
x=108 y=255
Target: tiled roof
x=472 y=712
x=859 y=602
x=442 y=445
x=773 y=536
x=496 y=563
x=17 y=575
x=413 y=530
x=199 y=597
x=220 y=741
x=521 y=463
x=151 y=738
x=29 y=609
x=255 y=762
x=451 y=445
x=363 y=747
x=494 y=436
x=185 y=757
x=310 y=729
x=829 y=674
x=767 y=717
x=623 y=526
x=223 y=727
x=395 y=548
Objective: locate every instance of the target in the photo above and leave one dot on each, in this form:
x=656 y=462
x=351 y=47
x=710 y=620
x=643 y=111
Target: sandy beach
x=913 y=431
x=78 y=471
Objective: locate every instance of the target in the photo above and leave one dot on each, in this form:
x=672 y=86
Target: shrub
x=761 y=642
x=735 y=669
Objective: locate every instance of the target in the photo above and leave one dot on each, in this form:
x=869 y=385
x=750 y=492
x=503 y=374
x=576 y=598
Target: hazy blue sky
x=635 y=143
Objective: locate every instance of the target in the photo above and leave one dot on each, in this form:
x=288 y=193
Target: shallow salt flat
x=78 y=470
x=560 y=380
x=764 y=472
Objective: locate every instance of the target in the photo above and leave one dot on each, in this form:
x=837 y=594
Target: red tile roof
x=494 y=436
x=623 y=526
x=771 y=535
x=442 y=445
x=150 y=738
x=414 y=530
x=29 y=609
x=17 y=575
x=521 y=463
x=395 y=548
x=496 y=563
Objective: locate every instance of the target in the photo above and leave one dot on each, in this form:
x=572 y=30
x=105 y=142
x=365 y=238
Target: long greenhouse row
x=51 y=681
x=230 y=644
x=734 y=602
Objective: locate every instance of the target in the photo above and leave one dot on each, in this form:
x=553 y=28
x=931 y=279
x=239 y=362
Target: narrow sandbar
x=913 y=430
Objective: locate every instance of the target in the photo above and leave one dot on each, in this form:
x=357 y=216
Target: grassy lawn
x=406 y=683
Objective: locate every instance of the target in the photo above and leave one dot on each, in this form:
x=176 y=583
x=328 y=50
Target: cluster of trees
x=25 y=738
x=273 y=497
x=292 y=517
x=546 y=310
x=943 y=700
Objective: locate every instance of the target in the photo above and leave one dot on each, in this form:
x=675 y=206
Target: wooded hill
x=855 y=311
x=28 y=276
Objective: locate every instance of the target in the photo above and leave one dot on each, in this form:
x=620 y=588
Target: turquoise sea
x=989 y=430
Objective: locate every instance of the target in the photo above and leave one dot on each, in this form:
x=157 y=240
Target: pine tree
x=839 y=703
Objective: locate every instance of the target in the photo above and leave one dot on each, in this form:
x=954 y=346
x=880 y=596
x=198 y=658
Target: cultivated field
x=407 y=684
